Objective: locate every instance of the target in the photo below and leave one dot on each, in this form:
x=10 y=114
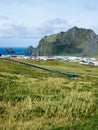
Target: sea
x=18 y=50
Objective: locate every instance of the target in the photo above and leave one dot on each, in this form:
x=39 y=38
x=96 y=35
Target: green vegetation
x=29 y=50
x=67 y=67
x=32 y=99
x=76 y=41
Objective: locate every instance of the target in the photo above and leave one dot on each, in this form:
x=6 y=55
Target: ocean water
x=18 y=50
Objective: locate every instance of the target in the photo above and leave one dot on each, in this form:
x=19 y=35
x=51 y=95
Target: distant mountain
x=76 y=41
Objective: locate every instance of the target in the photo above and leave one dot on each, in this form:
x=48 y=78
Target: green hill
x=76 y=41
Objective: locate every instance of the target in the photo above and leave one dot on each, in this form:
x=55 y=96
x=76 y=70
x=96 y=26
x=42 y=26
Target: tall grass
x=31 y=99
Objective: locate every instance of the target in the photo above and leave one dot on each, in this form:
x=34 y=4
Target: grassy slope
x=37 y=100
x=50 y=39
x=66 y=67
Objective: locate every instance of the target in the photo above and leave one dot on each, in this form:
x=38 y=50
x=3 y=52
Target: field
x=32 y=99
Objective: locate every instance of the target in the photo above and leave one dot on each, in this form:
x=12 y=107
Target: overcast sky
x=25 y=22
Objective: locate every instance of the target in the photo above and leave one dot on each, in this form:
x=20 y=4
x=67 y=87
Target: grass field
x=32 y=99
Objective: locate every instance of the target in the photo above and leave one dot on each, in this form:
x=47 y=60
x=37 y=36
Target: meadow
x=33 y=99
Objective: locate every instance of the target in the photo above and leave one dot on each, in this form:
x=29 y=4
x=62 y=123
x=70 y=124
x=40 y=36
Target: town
x=82 y=60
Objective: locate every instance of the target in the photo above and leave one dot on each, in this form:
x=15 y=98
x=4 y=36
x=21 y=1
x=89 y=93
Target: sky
x=24 y=22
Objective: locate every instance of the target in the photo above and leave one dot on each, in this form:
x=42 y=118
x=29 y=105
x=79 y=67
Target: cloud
x=10 y=32
x=56 y=25
x=19 y=35
x=53 y=26
x=49 y=27
x=15 y=35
